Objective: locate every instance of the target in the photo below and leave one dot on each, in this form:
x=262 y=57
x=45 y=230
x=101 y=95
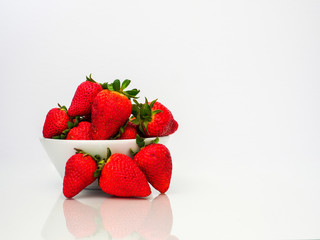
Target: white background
x=241 y=78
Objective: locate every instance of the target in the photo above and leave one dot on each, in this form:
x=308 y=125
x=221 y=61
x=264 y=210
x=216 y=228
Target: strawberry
x=80 y=218
x=153 y=119
x=155 y=162
x=121 y=177
x=128 y=131
x=111 y=109
x=56 y=122
x=83 y=97
x=79 y=173
x=80 y=132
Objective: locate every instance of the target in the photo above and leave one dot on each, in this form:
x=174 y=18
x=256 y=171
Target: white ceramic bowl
x=59 y=151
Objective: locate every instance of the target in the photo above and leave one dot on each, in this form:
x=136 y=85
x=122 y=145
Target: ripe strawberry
x=153 y=119
x=79 y=173
x=111 y=109
x=56 y=122
x=155 y=162
x=80 y=132
x=83 y=97
x=128 y=132
x=121 y=177
x=80 y=218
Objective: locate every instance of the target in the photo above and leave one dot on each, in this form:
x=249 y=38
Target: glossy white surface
x=241 y=78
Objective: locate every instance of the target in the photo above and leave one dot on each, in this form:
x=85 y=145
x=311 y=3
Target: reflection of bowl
x=59 y=151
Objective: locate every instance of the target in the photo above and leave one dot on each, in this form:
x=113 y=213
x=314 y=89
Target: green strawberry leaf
x=70 y=124
x=116 y=85
x=154 y=112
x=89 y=79
x=97 y=173
x=152 y=103
x=104 y=85
x=154 y=141
x=131 y=93
x=140 y=141
x=135 y=121
x=108 y=153
x=76 y=121
x=145 y=125
x=125 y=84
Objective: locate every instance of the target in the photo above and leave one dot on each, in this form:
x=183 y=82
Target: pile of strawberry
x=101 y=111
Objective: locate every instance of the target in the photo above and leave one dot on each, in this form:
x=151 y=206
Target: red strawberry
x=83 y=97
x=154 y=119
x=111 y=109
x=56 y=122
x=155 y=162
x=80 y=218
x=121 y=177
x=80 y=132
x=79 y=173
x=120 y=217
x=129 y=132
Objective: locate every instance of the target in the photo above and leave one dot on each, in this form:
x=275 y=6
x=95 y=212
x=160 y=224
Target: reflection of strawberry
x=111 y=109
x=153 y=119
x=121 y=216
x=80 y=218
x=83 y=98
x=155 y=162
x=56 y=122
x=120 y=176
x=158 y=223
x=79 y=173
x=80 y=132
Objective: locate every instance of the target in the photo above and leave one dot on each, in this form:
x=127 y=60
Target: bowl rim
x=99 y=141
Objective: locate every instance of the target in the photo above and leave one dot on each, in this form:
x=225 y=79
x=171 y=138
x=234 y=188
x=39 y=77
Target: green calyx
x=64 y=108
x=71 y=125
x=141 y=143
x=118 y=87
x=143 y=114
x=101 y=162
x=89 y=79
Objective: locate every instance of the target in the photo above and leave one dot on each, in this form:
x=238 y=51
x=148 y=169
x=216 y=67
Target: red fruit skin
x=83 y=98
x=110 y=111
x=130 y=131
x=173 y=127
x=161 y=123
x=121 y=177
x=155 y=162
x=56 y=122
x=80 y=218
x=79 y=173
x=121 y=216
x=81 y=132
